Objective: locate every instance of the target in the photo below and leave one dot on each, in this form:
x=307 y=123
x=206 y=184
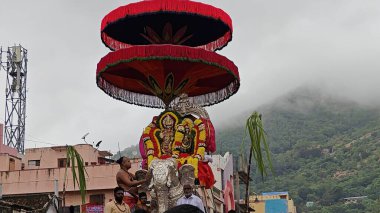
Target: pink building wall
x=224 y=179
x=33 y=179
x=48 y=156
x=8 y=150
x=3 y=147
x=8 y=156
x=101 y=180
x=6 y=161
x=1 y=133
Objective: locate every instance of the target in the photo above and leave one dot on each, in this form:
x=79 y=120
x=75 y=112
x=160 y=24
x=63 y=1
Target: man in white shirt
x=190 y=198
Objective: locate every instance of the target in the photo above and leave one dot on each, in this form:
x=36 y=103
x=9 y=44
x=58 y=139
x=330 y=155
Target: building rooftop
x=275 y=193
x=33 y=202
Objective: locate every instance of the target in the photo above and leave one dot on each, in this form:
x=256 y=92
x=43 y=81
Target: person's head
x=184 y=208
x=124 y=162
x=188 y=190
x=143 y=198
x=231 y=211
x=118 y=193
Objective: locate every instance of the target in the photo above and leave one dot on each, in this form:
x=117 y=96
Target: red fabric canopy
x=154 y=75
x=208 y=27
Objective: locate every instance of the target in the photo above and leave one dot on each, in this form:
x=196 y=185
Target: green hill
x=323 y=149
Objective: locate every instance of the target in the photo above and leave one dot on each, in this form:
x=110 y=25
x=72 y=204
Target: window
x=62 y=162
x=71 y=209
x=12 y=164
x=33 y=162
x=97 y=199
x=101 y=161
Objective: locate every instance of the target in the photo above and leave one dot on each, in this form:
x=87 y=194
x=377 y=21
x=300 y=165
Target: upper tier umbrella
x=179 y=22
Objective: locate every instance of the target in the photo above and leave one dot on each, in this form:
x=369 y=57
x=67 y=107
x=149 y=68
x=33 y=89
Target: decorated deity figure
x=166 y=136
x=189 y=145
x=185 y=136
x=182 y=136
x=158 y=136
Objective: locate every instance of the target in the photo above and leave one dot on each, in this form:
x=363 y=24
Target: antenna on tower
x=15 y=65
x=84 y=137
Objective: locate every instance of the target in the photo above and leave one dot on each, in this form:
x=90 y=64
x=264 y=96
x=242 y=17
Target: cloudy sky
x=277 y=45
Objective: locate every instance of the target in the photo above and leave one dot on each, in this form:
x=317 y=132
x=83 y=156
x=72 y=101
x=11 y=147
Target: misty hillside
x=323 y=150
x=132 y=152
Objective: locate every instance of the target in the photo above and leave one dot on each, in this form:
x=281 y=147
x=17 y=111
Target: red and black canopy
x=154 y=75
x=179 y=22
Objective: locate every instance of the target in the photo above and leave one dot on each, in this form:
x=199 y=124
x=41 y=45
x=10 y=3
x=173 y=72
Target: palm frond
x=259 y=145
x=75 y=160
x=255 y=129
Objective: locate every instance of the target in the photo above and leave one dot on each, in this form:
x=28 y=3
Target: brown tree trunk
x=247 y=188
x=63 y=195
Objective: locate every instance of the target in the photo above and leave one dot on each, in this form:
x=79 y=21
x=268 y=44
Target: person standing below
x=117 y=205
x=127 y=181
x=190 y=198
x=143 y=202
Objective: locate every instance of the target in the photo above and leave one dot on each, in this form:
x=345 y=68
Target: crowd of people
x=188 y=203
x=128 y=200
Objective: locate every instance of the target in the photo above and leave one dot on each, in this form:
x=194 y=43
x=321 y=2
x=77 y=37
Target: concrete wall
x=74 y=198
x=49 y=156
x=101 y=180
x=6 y=160
x=1 y=133
x=42 y=180
x=8 y=150
x=225 y=181
x=260 y=204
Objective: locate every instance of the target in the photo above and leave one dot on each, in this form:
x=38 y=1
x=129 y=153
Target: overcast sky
x=277 y=45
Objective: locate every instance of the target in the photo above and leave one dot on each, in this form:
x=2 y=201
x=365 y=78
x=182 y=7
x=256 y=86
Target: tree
x=303 y=193
x=75 y=161
x=255 y=129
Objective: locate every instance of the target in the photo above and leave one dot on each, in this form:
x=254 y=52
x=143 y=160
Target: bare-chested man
x=127 y=181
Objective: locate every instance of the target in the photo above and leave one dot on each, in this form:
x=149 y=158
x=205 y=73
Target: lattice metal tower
x=14 y=61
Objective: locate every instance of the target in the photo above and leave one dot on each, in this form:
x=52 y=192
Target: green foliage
x=258 y=144
x=78 y=170
x=323 y=150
